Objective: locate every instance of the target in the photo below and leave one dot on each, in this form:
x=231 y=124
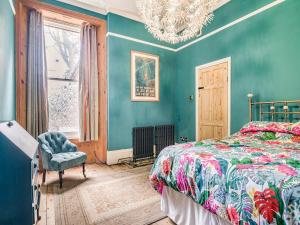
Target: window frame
x=97 y=150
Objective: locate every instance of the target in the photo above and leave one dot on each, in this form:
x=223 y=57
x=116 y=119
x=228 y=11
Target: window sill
x=78 y=141
x=71 y=135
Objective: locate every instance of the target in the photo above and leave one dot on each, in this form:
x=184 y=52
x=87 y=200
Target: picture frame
x=144 y=77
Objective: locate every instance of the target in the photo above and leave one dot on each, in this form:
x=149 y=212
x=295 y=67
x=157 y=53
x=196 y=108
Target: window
x=62 y=41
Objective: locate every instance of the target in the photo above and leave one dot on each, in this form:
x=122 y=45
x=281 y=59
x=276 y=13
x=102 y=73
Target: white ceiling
x=125 y=8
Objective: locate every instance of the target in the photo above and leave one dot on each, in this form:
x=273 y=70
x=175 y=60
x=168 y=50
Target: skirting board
x=113 y=157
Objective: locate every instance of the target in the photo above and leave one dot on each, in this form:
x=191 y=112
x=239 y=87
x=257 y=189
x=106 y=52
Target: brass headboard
x=274 y=110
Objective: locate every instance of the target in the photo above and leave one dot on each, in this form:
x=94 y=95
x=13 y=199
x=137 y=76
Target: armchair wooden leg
x=60 y=173
x=83 y=169
x=44 y=175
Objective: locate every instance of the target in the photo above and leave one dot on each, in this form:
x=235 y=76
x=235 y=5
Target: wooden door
x=213 y=102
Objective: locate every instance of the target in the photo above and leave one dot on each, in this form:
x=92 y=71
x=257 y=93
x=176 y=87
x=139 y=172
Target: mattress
x=252 y=177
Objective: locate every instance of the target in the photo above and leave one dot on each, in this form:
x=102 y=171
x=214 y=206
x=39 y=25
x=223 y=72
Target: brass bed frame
x=274 y=110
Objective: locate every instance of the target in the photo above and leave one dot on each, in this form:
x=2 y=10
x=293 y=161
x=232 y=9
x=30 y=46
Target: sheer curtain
x=37 y=96
x=88 y=84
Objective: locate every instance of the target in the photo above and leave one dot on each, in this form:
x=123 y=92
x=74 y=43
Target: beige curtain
x=88 y=84
x=37 y=96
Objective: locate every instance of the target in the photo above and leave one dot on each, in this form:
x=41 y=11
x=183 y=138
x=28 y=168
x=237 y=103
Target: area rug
x=119 y=198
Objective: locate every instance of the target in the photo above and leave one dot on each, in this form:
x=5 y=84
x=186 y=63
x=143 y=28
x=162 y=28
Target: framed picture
x=144 y=77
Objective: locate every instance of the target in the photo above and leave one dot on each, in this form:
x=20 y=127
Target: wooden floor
x=47 y=210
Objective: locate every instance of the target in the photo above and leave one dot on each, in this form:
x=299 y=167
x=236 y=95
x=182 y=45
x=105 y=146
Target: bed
x=251 y=177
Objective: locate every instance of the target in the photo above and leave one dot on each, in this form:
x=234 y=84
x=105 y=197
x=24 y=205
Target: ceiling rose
x=175 y=21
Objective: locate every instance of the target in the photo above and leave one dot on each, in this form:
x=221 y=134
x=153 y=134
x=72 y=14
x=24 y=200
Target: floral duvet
x=252 y=177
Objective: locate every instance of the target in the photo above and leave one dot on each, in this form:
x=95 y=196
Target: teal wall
x=7 y=63
x=123 y=114
x=229 y=12
x=265 y=54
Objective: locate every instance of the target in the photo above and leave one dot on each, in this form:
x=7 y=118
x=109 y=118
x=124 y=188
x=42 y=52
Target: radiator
x=164 y=136
x=142 y=141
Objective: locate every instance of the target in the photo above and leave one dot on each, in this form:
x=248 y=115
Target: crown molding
x=111 y=34
x=124 y=13
x=86 y=6
x=103 y=10
x=106 y=9
x=12 y=7
x=200 y=38
x=221 y=3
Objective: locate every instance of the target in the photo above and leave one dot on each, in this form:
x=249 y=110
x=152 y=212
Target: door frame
x=213 y=63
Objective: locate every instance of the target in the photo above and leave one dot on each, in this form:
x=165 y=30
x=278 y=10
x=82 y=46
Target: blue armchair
x=59 y=154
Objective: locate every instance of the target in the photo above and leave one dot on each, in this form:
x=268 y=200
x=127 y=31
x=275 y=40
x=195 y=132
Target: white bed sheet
x=184 y=211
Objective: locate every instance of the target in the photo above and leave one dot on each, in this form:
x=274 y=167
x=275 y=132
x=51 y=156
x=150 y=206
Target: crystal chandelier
x=175 y=21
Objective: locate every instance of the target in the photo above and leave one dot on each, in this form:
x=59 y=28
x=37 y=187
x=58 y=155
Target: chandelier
x=175 y=21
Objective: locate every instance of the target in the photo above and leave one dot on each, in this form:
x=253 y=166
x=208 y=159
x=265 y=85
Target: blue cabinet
x=19 y=183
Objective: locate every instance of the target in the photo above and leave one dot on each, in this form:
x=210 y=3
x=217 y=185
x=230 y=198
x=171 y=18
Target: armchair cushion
x=63 y=161
x=56 y=142
x=58 y=153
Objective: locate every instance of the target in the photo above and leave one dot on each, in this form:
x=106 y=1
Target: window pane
x=63 y=106
x=62 y=52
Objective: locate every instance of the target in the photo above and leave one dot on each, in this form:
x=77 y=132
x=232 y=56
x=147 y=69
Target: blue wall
x=7 y=62
x=265 y=54
x=123 y=113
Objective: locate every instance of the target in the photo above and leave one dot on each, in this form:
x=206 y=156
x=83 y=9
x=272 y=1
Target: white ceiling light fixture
x=175 y=21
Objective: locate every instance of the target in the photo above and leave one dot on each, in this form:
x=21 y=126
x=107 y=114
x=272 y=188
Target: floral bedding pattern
x=281 y=127
x=249 y=178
